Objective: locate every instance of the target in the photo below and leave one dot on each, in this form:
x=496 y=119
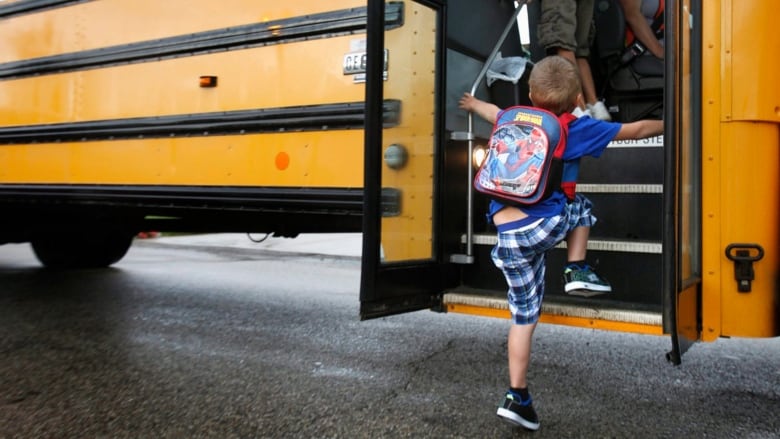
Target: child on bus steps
x=526 y=234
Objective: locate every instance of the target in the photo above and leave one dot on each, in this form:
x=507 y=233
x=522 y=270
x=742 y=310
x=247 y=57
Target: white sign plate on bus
x=651 y=142
x=355 y=64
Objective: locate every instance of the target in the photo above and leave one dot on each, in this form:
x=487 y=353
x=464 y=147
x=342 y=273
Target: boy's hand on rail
x=467 y=102
x=483 y=109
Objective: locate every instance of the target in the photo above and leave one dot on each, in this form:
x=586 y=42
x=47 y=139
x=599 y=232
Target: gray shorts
x=567 y=24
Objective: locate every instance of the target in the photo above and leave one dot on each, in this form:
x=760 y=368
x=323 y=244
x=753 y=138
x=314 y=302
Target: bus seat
x=648 y=65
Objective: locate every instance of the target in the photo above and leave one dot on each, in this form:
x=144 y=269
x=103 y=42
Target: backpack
x=524 y=162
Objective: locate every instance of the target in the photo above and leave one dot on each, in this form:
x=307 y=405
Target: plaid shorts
x=521 y=254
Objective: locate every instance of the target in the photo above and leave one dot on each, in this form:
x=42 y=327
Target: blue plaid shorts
x=521 y=254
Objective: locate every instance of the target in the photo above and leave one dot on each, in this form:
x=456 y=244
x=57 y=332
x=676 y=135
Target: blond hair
x=554 y=84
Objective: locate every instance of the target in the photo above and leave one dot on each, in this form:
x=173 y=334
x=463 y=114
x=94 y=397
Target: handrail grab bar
x=468 y=258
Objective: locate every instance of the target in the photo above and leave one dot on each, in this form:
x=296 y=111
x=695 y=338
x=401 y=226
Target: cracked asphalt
x=188 y=342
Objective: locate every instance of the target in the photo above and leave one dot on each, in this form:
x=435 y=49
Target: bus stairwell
x=626 y=187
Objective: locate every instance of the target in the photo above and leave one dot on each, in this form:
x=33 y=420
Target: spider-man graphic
x=520 y=153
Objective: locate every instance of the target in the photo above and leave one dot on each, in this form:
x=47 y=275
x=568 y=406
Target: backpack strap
x=566 y=118
x=569 y=188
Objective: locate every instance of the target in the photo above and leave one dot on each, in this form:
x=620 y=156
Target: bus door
x=401 y=268
x=682 y=177
x=412 y=253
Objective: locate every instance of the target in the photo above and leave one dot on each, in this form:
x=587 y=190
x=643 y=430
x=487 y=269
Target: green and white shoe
x=584 y=282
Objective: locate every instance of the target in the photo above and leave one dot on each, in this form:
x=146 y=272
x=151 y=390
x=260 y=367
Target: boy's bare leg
x=577 y=243
x=519 y=347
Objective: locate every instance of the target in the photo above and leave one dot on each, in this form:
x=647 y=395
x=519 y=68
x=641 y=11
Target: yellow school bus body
x=735 y=116
x=740 y=165
x=261 y=77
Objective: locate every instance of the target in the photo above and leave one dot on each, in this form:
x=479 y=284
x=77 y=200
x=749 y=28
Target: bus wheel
x=92 y=249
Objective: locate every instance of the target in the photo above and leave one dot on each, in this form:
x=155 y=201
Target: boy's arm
x=640 y=129
x=485 y=110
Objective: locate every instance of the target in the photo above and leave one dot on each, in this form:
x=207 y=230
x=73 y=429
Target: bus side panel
x=97 y=24
x=103 y=107
x=306 y=159
x=264 y=77
x=750 y=215
x=740 y=169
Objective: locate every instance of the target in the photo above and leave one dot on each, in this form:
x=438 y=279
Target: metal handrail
x=468 y=258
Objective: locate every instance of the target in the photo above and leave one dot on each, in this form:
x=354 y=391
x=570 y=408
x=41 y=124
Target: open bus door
x=413 y=254
x=401 y=271
x=682 y=178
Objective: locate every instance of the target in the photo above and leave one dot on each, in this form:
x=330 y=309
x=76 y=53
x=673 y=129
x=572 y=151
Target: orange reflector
x=208 y=81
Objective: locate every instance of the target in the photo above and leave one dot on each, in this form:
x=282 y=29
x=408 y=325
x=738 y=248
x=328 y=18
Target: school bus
x=118 y=116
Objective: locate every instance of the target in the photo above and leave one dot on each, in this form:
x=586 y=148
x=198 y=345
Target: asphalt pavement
x=204 y=336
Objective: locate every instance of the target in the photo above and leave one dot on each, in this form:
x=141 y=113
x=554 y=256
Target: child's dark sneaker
x=584 y=282
x=521 y=414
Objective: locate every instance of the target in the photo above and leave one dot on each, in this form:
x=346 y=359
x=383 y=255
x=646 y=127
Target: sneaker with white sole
x=599 y=111
x=584 y=282
x=518 y=413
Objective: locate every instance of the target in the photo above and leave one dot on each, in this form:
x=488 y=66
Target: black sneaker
x=584 y=282
x=518 y=413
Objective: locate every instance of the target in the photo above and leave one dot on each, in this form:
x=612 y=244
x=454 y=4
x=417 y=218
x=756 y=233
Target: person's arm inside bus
x=638 y=23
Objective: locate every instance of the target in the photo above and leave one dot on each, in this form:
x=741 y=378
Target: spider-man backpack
x=524 y=162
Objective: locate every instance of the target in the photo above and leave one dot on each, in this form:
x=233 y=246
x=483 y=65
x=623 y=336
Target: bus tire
x=93 y=249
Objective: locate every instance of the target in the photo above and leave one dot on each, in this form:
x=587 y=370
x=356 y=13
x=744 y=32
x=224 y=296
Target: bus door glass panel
x=400 y=271
x=690 y=191
x=682 y=115
x=411 y=80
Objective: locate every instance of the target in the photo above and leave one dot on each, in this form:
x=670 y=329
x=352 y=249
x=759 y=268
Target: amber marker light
x=208 y=81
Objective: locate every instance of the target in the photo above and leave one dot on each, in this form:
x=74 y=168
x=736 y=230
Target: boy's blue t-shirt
x=587 y=137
